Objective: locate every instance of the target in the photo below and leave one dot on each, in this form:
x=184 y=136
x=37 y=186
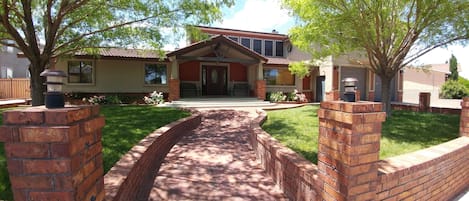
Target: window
x=246 y=42
x=268 y=48
x=279 y=49
x=6 y=72
x=235 y=39
x=80 y=72
x=257 y=46
x=278 y=76
x=155 y=74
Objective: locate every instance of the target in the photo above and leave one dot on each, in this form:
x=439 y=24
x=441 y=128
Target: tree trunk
x=37 y=84
x=386 y=95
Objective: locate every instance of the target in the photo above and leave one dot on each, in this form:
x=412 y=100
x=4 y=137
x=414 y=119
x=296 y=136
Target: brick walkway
x=215 y=162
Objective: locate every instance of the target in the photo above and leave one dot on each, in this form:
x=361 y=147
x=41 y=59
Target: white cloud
x=257 y=15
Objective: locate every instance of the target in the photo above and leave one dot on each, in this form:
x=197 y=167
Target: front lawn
x=125 y=126
x=404 y=132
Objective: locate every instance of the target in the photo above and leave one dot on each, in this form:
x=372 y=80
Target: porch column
x=260 y=82
x=174 y=82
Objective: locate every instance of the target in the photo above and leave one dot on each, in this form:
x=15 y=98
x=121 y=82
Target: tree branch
x=430 y=48
x=107 y=29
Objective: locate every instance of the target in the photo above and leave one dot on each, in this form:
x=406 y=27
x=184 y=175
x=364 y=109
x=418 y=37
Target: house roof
x=125 y=53
x=216 y=40
x=242 y=33
x=277 y=61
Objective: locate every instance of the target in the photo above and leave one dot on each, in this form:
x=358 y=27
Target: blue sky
x=266 y=15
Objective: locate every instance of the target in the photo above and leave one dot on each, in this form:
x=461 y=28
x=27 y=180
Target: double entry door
x=214 y=80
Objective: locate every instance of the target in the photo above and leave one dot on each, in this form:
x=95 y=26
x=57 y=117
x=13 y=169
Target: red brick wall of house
x=189 y=71
x=238 y=72
x=307 y=83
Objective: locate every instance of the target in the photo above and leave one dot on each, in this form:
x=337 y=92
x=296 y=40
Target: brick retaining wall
x=295 y=175
x=139 y=167
x=416 y=108
x=437 y=173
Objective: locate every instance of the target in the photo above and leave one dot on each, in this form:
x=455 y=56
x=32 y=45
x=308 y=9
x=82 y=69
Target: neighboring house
x=229 y=63
x=428 y=78
x=10 y=65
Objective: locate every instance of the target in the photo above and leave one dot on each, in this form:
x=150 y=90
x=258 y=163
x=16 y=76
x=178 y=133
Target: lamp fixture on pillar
x=350 y=87
x=54 y=97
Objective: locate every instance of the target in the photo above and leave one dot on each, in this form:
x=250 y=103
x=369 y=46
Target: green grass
x=404 y=132
x=125 y=126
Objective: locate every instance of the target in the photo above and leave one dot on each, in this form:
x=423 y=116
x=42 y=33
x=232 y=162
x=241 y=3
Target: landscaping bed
x=404 y=132
x=125 y=126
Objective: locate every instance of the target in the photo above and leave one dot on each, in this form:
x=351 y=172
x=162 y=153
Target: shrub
x=464 y=81
x=453 y=90
x=114 y=99
x=154 y=99
x=277 y=96
x=95 y=100
x=292 y=96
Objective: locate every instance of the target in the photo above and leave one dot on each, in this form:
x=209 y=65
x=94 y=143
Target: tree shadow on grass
x=425 y=129
x=127 y=125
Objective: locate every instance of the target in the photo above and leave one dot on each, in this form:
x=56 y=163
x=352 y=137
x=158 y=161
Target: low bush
x=453 y=90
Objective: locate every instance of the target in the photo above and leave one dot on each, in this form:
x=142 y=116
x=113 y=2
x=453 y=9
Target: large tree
x=453 y=67
x=391 y=33
x=47 y=29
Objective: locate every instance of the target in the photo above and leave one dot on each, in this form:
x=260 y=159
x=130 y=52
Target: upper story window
x=233 y=38
x=257 y=46
x=246 y=42
x=80 y=72
x=268 y=48
x=279 y=48
x=155 y=74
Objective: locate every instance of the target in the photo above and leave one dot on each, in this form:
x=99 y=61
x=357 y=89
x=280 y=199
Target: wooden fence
x=15 y=88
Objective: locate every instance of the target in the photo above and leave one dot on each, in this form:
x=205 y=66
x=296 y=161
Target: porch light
x=350 y=87
x=54 y=97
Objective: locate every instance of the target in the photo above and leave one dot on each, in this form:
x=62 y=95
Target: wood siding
x=14 y=88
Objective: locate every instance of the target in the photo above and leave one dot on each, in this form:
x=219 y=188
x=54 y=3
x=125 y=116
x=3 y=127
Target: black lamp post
x=54 y=97
x=350 y=87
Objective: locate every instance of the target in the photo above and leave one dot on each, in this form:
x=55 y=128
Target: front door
x=214 y=80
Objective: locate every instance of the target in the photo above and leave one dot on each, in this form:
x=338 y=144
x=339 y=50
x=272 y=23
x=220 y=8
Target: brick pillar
x=54 y=154
x=371 y=96
x=464 y=122
x=424 y=101
x=349 y=141
x=260 y=89
x=357 y=95
x=174 y=91
x=333 y=95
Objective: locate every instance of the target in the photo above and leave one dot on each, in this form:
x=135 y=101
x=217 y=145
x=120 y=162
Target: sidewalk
x=215 y=162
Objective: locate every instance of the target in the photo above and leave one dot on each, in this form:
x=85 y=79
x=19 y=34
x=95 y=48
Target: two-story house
x=12 y=66
x=229 y=63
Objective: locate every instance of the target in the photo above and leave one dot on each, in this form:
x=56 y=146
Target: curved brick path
x=215 y=162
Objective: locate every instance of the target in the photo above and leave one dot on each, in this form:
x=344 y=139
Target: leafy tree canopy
x=67 y=26
x=392 y=33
